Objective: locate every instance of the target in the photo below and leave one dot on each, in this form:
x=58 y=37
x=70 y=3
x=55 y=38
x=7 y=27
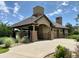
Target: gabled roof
x=30 y=20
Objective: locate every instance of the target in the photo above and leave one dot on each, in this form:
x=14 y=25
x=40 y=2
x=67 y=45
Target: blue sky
x=14 y=11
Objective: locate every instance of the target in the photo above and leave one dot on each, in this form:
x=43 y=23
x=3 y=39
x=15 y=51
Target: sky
x=15 y=11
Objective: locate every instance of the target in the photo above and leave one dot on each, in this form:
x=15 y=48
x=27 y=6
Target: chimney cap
x=59 y=17
x=38 y=6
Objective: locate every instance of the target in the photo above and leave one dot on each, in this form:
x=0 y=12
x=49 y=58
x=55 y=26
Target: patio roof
x=29 y=20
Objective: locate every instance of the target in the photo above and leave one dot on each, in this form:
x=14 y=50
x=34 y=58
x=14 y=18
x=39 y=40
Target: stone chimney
x=59 y=20
x=38 y=10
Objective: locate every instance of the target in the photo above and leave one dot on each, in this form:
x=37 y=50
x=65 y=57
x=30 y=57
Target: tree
x=77 y=22
x=70 y=28
x=5 y=30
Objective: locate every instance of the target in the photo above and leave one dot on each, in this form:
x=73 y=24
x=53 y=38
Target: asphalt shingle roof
x=59 y=25
x=30 y=20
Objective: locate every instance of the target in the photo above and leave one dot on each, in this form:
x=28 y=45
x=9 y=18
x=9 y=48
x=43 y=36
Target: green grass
x=3 y=50
x=75 y=37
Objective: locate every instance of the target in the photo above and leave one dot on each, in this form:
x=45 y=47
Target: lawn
x=3 y=50
x=75 y=37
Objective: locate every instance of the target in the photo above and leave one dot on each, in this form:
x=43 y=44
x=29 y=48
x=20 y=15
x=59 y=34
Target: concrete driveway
x=38 y=49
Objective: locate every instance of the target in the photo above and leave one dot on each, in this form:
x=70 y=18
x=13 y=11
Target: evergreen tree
x=70 y=28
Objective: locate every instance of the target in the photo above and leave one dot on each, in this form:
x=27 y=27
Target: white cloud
x=64 y=3
x=58 y=11
x=74 y=9
x=3 y=7
x=21 y=17
x=3 y=16
x=16 y=8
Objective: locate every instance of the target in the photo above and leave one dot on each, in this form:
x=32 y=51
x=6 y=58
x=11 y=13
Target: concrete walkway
x=38 y=49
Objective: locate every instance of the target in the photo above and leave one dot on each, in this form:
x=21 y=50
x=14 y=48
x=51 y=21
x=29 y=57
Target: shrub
x=76 y=33
x=1 y=41
x=8 y=41
x=76 y=37
x=62 y=52
x=70 y=28
x=5 y=30
x=25 y=39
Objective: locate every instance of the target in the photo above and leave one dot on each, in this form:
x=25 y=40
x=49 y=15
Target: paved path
x=38 y=49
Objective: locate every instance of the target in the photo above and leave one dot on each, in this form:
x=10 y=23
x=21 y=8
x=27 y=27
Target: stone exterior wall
x=60 y=33
x=43 y=21
x=46 y=29
x=54 y=32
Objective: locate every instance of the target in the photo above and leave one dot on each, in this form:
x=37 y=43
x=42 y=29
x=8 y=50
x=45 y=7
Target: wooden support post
x=13 y=33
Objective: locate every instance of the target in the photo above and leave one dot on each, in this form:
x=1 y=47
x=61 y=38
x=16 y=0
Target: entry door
x=40 y=33
x=43 y=32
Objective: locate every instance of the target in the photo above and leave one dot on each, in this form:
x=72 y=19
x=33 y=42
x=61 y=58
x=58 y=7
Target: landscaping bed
x=60 y=52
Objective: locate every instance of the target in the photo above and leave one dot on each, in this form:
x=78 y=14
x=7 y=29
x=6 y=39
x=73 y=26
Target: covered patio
x=28 y=30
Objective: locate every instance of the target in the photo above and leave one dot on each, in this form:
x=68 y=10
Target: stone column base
x=34 y=36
